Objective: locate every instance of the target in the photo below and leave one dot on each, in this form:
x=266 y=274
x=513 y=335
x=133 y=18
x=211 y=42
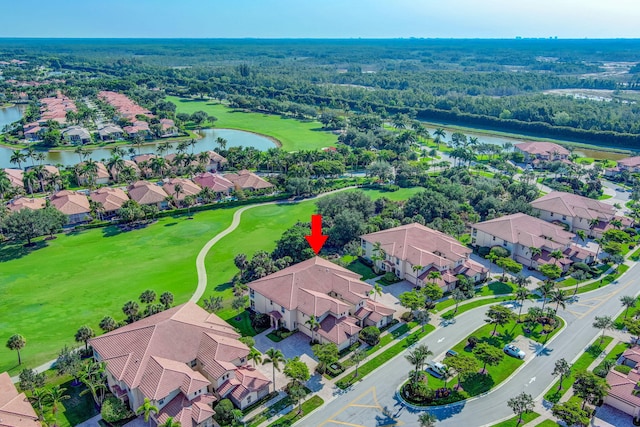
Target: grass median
x=554 y=394
x=513 y=422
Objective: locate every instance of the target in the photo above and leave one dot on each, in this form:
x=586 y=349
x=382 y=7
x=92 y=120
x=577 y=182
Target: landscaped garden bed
x=424 y=390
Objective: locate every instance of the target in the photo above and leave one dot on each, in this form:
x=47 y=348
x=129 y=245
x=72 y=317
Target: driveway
x=295 y=345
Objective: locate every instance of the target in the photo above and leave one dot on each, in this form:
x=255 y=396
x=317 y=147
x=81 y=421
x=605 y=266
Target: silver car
x=514 y=351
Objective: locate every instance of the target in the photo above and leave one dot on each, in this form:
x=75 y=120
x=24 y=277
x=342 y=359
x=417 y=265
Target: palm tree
x=593 y=222
x=579 y=276
x=418 y=356
x=16 y=342
x=30 y=154
x=55 y=396
x=116 y=164
x=17 y=157
x=556 y=255
x=616 y=223
x=433 y=276
x=255 y=356
x=147 y=408
x=534 y=251
x=108 y=324
x=166 y=299
x=131 y=310
x=559 y=298
x=275 y=357
x=84 y=334
x=416 y=268
x=627 y=302
x=357 y=357
x=222 y=143
x=170 y=423
x=377 y=290
x=39 y=397
x=545 y=289
x=439 y=134
x=313 y=326
x=427 y=420
x=457 y=296
x=521 y=295
x=30 y=180
x=582 y=235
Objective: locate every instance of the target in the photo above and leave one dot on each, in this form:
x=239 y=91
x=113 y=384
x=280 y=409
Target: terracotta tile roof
x=419 y=245
x=574 y=206
x=250 y=379
x=338 y=330
x=111 y=199
x=314 y=303
x=526 y=230
x=630 y=162
x=542 y=148
x=189 y=413
x=127 y=163
x=143 y=158
x=125 y=106
x=315 y=274
x=216 y=182
x=623 y=386
x=70 y=202
x=146 y=193
x=102 y=172
x=15 y=409
x=188 y=187
x=26 y=203
x=15 y=177
x=174 y=334
x=247 y=180
x=378 y=311
x=632 y=354
x=214 y=157
x=162 y=376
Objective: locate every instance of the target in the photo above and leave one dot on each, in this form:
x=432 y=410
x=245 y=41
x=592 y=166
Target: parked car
x=436 y=369
x=451 y=353
x=514 y=351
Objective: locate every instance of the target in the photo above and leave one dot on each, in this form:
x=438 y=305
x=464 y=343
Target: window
x=504 y=244
x=282 y=310
x=564 y=217
x=249 y=399
x=251 y=293
x=253 y=305
x=551 y=214
x=493 y=238
x=160 y=402
x=270 y=302
x=475 y=231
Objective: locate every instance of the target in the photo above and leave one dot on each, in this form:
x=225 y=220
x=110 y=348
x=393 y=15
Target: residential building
x=15 y=178
x=56 y=108
x=76 y=135
x=138 y=128
x=124 y=106
x=624 y=393
x=110 y=132
x=543 y=151
x=337 y=298
x=214 y=181
x=101 y=178
x=632 y=164
x=26 y=203
x=110 y=198
x=168 y=127
x=74 y=205
x=248 y=180
x=15 y=409
x=519 y=233
x=183 y=360
x=33 y=131
x=577 y=212
x=216 y=162
x=115 y=172
x=146 y=193
x=187 y=188
x=413 y=251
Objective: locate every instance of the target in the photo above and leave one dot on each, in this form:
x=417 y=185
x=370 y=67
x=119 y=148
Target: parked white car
x=514 y=351
x=436 y=369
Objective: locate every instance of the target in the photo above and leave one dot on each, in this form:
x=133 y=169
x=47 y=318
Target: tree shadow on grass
x=223 y=287
x=15 y=251
x=477 y=383
x=111 y=231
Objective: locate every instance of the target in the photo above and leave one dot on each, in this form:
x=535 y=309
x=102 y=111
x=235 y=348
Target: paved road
x=372 y=402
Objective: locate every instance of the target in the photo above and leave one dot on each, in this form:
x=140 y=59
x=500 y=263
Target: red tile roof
x=26 y=203
x=111 y=199
x=248 y=180
x=189 y=413
x=15 y=409
x=70 y=202
x=188 y=187
x=15 y=177
x=542 y=148
x=146 y=193
x=573 y=205
x=526 y=230
x=216 y=182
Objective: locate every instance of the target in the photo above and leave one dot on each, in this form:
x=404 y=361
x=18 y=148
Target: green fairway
x=294 y=134
x=79 y=278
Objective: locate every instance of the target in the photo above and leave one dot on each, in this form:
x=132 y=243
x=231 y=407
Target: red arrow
x=316 y=239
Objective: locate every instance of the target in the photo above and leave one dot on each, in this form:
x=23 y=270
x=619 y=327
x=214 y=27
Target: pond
x=234 y=138
x=9 y=115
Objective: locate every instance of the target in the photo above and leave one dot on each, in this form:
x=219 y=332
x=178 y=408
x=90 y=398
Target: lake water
x=10 y=114
x=500 y=140
x=235 y=138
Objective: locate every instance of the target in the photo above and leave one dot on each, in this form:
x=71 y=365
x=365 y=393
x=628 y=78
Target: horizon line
x=551 y=38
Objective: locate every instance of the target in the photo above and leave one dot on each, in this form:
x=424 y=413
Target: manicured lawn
x=365 y=271
x=401 y=194
x=570 y=281
x=496 y=288
x=583 y=362
x=242 y=322
x=294 y=135
x=307 y=407
x=81 y=277
x=548 y=423
x=474 y=304
x=605 y=280
x=619 y=322
x=635 y=256
x=513 y=422
x=605 y=197
x=614 y=354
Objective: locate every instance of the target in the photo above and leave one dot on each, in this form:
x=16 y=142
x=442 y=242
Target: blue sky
x=321 y=18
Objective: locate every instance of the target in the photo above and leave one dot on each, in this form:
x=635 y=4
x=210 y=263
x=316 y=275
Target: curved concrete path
x=200 y=267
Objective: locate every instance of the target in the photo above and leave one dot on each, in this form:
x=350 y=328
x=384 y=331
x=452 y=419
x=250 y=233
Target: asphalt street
x=373 y=401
